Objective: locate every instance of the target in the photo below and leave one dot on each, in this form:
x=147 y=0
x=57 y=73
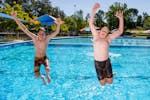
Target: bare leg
x=47 y=69
x=48 y=77
x=38 y=75
x=103 y=82
x=43 y=78
x=109 y=80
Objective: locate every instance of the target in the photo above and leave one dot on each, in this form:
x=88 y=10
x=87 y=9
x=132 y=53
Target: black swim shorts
x=103 y=69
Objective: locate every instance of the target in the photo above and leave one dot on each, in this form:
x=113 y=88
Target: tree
x=71 y=23
x=8 y=24
x=139 y=21
x=78 y=17
x=146 y=23
x=131 y=17
x=100 y=18
x=112 y=21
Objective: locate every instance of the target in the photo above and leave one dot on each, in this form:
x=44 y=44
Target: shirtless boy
x=101 y=43
x=40 y=44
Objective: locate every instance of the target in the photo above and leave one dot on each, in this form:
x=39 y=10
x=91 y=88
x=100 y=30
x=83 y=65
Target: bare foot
x=48 y=78
x=44 y=82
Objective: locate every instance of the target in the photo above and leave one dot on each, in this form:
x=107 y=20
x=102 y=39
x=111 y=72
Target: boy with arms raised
x=40 y=44
x=101 y=43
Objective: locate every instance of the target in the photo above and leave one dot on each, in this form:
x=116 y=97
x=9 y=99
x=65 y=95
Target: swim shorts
x=103 y=69
x=38 y=61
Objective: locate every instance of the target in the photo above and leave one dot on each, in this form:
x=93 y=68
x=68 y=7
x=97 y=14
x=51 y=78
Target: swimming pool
x=117 y=42
x=73 y=73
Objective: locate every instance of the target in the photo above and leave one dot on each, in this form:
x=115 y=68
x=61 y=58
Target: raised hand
x=96 y=6
x=58 y=21
x=119 y=14
x=14 y=14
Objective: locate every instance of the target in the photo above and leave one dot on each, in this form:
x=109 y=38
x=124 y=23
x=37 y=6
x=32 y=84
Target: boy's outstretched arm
x=117 y=33
x=91 y=21
x=22 y=26
x=52 y=35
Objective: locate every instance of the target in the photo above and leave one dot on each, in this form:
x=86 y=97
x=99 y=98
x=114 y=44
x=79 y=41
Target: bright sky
x=68 y=6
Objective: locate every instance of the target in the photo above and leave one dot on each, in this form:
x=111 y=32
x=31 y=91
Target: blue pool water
x=119 y=41
x=73 y=73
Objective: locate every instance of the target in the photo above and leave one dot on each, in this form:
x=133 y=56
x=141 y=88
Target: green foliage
x=112 y=21
x=31 y=9
x=100 y=18
x=139 y=22
x=70 y=21
x=64 y=28
x=146 y=24
x=8 y=24
x=53 y=27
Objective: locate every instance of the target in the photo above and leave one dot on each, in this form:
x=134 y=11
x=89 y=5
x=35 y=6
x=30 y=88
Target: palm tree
x=100 y=18
x=131 y=15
